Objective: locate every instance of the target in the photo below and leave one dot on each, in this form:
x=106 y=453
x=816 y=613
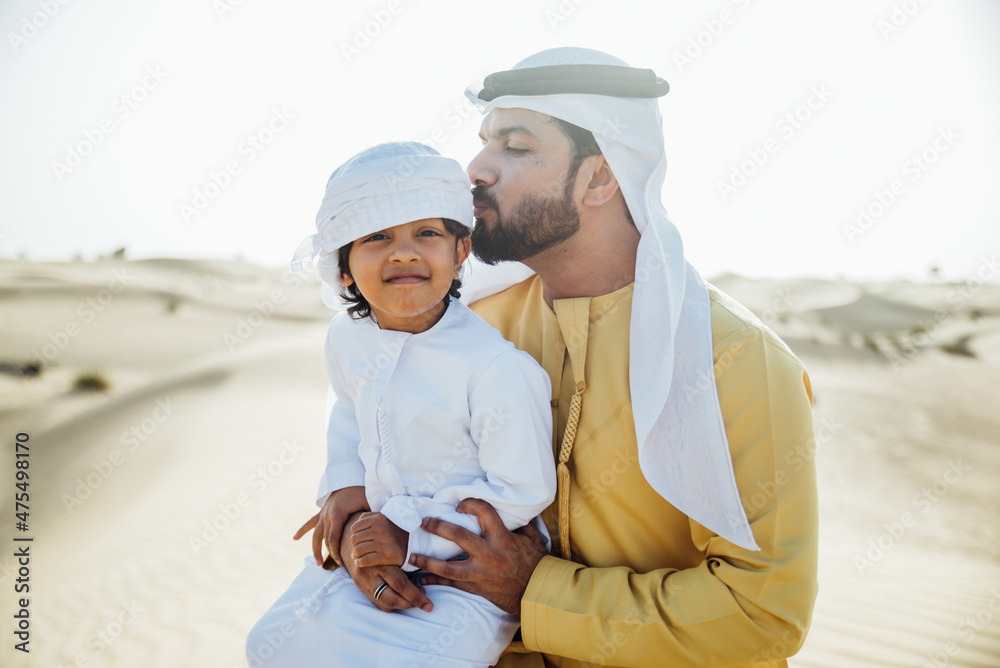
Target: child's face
x=405 y=271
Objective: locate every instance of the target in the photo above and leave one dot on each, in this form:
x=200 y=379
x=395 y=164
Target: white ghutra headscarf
x=683 y=451
x=380 y=187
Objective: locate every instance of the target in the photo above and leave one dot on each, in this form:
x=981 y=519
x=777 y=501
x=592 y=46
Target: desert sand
x=174 y=413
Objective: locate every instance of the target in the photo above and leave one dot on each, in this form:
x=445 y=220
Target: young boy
x=432 y=406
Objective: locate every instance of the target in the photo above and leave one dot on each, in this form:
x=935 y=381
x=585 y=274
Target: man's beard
x=537 y=223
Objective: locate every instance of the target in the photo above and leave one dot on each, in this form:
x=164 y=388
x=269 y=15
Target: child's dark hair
x=359 y=307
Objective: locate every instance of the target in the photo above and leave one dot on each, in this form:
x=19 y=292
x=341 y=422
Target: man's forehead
x=502 y=122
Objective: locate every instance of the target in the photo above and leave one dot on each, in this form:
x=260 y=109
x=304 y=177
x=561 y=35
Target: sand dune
x=872 y=313
x=162 y=508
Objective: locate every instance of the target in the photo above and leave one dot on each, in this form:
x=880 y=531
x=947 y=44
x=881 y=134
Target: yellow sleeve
x=736 y=607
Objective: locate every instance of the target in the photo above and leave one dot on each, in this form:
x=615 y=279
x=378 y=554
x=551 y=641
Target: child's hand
x=378 y=542
x=330 y=520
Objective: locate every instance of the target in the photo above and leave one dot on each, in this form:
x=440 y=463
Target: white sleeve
x=512 y=428
x=343 y=464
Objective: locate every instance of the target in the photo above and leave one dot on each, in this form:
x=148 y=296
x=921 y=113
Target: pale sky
x=208 y=128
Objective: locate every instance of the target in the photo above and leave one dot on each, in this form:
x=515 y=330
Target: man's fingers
x=431 y=579
x=453 y=570
x=307 y=527
x=464 y=538
x=489 y=519
x=529 y=530
x=401 y=586
x=391 y=600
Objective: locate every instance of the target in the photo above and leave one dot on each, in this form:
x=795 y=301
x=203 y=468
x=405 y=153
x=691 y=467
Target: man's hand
x=330 y=520
x=500 y=563
x=401 y=593
x=377 y=541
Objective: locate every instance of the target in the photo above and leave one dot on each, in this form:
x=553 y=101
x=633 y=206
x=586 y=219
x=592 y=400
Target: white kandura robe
x=451 y=413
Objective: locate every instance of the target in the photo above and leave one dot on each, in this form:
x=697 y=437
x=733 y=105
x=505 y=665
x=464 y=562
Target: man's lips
x=479 y=207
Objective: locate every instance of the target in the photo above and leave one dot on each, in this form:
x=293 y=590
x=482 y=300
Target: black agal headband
x=611 y=80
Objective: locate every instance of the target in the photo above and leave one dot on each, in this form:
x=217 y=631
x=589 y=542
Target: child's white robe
x=422 y=421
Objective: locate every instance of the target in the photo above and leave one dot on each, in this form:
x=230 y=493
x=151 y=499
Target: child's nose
x=404 y=250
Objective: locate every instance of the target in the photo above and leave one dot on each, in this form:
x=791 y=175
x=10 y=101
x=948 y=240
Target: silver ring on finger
x=381 y=590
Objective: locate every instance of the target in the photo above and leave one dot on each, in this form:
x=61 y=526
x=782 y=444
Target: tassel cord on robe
x=562 y=469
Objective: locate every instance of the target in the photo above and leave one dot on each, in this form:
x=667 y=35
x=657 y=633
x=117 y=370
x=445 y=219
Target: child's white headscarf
x=386 y=185
x=683 y=451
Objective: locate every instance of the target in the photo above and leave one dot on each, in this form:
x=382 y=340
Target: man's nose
x=481 y=171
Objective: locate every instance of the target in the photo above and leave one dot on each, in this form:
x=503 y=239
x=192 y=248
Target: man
x=663 y=566
x=685 y=527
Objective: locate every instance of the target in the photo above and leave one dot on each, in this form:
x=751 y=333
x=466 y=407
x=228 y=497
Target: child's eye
x=378 y=236
x=429 y=233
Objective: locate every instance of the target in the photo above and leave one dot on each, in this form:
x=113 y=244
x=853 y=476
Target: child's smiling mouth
x=405 y=279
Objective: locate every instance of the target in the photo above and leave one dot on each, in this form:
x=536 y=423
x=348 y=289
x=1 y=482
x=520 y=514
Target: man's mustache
x=483 y=197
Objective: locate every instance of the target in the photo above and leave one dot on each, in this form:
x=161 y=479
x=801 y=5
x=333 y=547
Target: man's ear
x=463 y=247
x=602 y=185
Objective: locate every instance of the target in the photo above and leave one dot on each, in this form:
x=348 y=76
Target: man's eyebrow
x=505 y=132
